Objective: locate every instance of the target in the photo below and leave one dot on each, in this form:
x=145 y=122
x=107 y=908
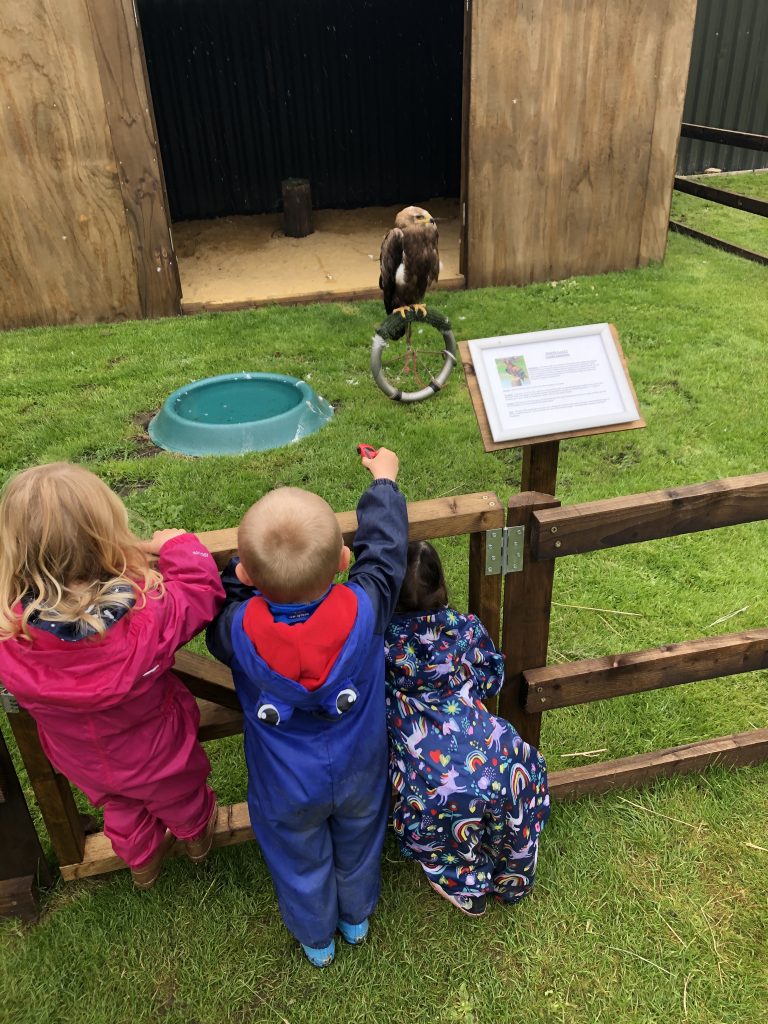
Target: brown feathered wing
x=417 y=249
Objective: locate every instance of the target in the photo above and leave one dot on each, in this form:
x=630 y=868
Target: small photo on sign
x=512 y=371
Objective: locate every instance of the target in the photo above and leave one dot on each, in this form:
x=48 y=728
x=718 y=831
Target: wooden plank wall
x=575 y=110
x=69 y=251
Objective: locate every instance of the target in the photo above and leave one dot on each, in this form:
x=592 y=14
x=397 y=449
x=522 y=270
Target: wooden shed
x=546 y=131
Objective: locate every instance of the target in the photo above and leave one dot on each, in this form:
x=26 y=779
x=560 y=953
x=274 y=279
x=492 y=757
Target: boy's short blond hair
x=290 y=545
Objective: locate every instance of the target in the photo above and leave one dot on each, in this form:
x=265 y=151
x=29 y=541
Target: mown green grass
x=745 y=229
x=642 y=913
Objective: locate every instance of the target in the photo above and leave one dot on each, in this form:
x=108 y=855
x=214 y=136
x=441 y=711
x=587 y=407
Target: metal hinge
x=504 y=550
x=8 y=702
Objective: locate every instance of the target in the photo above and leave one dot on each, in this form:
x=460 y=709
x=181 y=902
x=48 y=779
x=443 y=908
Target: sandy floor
x=241 y=259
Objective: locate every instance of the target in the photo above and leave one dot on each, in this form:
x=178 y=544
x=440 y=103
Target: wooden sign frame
x=522 y=442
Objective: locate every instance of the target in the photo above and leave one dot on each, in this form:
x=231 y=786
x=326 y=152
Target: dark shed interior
x=362 y=97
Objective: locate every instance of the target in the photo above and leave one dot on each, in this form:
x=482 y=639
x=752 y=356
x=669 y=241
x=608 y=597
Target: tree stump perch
x=297 y=207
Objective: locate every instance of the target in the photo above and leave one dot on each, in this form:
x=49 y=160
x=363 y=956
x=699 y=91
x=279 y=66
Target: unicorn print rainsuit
x=472 y=795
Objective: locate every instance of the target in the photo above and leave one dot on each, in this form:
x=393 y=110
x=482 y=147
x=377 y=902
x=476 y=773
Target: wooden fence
x=538 y=532
x=721 y=196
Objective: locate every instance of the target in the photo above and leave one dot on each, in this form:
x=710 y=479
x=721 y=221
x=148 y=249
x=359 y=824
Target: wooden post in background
x=527 y=605
x=53 y=792
x=297 y=207
x=22 y=863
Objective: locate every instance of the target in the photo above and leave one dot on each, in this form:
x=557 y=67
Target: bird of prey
x=409 y=261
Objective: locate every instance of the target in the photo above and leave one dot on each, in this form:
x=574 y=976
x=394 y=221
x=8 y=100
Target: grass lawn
x=748 y=230
x=651 y=906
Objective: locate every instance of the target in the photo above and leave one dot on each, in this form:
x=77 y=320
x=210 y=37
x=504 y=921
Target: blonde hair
x=290 y=544
x=65 y=542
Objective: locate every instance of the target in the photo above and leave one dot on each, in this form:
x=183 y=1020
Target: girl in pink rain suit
x=88 y=633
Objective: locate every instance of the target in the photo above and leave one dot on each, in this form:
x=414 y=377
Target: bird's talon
x=419 y=308
x=402 y=310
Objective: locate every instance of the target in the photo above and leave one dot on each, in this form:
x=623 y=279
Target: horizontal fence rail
x=719 y=243
x=724 y=137
x=600 y=525
x=737 y=751
x=749 y=204
x=617 y=675
x=427 y=520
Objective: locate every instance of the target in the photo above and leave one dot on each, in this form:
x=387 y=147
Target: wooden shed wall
x=574 y=119
x=75 y=234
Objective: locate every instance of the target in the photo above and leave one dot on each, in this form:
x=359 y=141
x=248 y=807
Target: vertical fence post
x=22 y=863
x=52 y=791
x=484 y=591
x=525 y=626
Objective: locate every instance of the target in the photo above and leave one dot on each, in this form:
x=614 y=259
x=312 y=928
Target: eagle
x=409 y=261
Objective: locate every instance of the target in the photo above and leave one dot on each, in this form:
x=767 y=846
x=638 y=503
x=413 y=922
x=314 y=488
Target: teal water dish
x=238 y=413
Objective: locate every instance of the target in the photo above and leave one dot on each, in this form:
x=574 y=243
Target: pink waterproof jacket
x=111 y=715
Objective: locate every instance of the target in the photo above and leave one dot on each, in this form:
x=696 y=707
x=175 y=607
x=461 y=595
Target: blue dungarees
x=318 y=788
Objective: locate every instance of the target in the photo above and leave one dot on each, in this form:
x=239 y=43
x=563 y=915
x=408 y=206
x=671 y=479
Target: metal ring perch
x=391 y=330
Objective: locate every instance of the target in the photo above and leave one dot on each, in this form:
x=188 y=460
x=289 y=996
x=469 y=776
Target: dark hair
x=423 y=588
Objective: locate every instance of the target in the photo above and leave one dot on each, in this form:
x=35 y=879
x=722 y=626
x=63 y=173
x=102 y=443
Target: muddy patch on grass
x=143 y=445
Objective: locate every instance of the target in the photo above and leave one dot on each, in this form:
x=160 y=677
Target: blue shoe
x=354 y=934
x=320 y=957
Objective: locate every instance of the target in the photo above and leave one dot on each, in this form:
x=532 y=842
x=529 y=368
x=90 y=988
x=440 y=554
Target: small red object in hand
x=367 y=451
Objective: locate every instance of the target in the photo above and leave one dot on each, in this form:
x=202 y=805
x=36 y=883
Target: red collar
x=304 y=651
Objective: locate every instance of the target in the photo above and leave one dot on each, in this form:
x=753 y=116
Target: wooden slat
x=736 y=751
x=669 y=85
x=719 y=243
x=598 y=525
x=22 y=862
x=725 y=137
x=447 y=284
x=722 y=196
x=579 y=682
x=232 y=826
x=18 y=898
x=552 y=169
x=65 y=253
x=128 y=106
x=216 y=721
x=206 y=678
x=527 y=605
x=52 y=791
x=439 y=517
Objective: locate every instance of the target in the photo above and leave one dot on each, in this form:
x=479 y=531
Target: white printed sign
x=552 y=382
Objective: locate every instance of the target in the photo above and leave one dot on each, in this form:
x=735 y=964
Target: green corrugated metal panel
x=728 y=82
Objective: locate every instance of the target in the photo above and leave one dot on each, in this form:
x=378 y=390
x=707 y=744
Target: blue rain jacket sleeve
x=380 y=548
x=218 y=635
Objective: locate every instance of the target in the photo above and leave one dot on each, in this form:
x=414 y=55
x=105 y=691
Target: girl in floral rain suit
x=472 y=795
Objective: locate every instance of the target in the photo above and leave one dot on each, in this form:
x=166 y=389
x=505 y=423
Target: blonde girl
x=88 y=632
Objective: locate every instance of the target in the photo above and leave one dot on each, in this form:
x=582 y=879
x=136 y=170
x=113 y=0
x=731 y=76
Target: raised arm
x=193 y=590
x=381 y=541
x=219 y=632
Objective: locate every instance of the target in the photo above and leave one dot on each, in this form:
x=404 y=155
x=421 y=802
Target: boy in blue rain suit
x=307 y=658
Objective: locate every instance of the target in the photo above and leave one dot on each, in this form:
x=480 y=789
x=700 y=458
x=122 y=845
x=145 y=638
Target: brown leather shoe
x=145 y=878
x=198 y=849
